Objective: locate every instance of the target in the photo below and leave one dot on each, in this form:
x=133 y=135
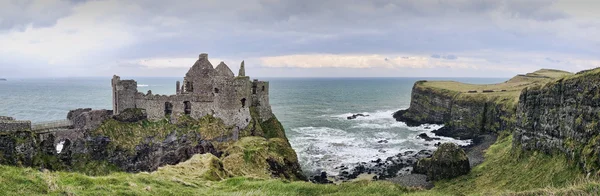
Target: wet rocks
x=354 y=116
x=448 y=161
x=427 y=138
x=321 y=179
x=401 y=164
x=382 y=141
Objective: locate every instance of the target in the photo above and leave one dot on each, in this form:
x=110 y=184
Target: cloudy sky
x=298 y=38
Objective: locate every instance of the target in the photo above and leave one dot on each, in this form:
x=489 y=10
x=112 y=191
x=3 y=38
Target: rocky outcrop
x=99 y=143
x=562 y=117
x=448 y=161
x=465 y=116
x=131 y=115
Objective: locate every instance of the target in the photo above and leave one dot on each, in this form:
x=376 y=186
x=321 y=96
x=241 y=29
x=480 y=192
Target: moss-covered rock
x=199 y=167
x=131 y=115
x=448 y=161
x=262 y=158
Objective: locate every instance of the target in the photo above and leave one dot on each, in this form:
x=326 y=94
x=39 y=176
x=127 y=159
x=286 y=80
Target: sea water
x=313 y=111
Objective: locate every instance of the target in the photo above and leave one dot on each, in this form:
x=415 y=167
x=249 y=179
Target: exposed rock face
x=131 y=115
x=448 y=161
x=562 y=117
x=464 y=117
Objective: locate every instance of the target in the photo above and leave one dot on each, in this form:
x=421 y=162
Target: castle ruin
x=205 y=91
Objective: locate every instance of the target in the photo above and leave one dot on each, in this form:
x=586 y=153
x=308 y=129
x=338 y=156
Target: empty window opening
x=263 y=88
x=216 y=90
x=187 y=107
x=243 y=102
x=189 y=87
x=168 y=108
x=254 y=88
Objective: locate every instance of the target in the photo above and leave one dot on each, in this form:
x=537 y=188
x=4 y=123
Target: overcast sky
x=303 y=38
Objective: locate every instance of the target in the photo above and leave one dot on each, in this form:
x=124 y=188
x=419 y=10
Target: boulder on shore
x=448 y=161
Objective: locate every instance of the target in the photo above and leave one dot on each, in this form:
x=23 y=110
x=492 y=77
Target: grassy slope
x=171 y=181
x=503 y=172
x=506 y=171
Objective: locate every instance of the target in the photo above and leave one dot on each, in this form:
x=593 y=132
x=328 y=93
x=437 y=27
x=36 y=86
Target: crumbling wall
x=10 y=124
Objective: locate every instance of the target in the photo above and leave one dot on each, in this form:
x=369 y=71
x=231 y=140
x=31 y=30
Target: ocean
x=313 y=111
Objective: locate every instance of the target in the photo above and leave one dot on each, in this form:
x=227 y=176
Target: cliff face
x=99 y=143
x=562 y=117
x=468 y=110
x=464 y=116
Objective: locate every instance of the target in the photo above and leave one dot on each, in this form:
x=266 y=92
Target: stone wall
x=206 y=90
x=10 y=124
x=562 y=117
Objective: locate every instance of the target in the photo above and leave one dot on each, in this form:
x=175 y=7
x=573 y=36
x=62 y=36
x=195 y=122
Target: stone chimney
x=203 y=56
x=242 y=70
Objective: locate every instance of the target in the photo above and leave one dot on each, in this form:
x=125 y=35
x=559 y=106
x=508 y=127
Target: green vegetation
x=509 y=170
x=128 y=135
x=250 y=155
x=179 y=180
x=271 y=128
x=512 y=88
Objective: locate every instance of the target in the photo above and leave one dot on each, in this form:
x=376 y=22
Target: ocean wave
x=143 y=85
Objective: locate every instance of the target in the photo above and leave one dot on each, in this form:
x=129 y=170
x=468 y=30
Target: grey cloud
x=450 y=57
x=253 y=28
x=18 y=14
x=552 y=60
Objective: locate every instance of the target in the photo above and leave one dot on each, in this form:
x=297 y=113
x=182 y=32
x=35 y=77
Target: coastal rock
x=448 y=161
x=427 y=138
x=354 y=116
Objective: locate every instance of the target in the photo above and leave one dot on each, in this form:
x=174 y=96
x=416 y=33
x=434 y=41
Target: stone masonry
x=204 y=91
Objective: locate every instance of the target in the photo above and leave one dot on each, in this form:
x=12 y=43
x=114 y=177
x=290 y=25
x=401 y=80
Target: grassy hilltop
x=510 y=89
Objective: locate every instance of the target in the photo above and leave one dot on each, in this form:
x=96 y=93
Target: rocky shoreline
x=400 y=168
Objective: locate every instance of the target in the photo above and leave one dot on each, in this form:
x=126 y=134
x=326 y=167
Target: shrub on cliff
x=448 y=161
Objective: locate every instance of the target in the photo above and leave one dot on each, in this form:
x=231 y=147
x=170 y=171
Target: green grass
x=506 y=170
x=512 y=87
x=27 y=181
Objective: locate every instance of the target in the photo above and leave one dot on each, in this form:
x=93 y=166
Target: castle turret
x=242 y=70
x=123 y=94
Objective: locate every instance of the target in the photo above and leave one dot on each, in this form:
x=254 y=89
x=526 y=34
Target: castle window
x=263 y=88
x=187 y=107
x=168 y=108
x=254 y=88
x=189 y=87
x=243 y=102
x=216 y=90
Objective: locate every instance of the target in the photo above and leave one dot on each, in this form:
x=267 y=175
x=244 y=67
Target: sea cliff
x=562 y=117
x=468 y=110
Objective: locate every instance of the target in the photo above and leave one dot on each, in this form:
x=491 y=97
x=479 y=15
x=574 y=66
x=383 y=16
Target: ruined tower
x=242 y=71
